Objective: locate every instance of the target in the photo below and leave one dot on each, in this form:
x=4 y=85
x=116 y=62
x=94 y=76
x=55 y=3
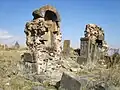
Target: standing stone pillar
x=66 y=47
x=94 y=52
x=91 y=43
x=84 y=51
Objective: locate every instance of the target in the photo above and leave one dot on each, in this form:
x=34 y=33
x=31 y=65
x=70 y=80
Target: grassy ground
x=11 y=80
x=9 y=77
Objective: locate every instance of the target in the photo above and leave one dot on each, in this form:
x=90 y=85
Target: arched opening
x=49 y=15
x=100 y=43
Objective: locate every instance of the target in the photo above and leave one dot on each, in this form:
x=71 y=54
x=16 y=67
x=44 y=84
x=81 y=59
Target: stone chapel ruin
x=44 y=29
x=92 y=44
x=43 y=38
x=46 y=61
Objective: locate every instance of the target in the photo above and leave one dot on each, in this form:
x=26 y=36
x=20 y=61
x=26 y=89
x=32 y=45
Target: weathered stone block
x=84 y=47
x=92 y=42
x=69 y=83
x=66 y=46
x=81 y=60
x=27 y=67
x=27 y=57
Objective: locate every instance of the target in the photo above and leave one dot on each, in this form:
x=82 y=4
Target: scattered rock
x=69 y=83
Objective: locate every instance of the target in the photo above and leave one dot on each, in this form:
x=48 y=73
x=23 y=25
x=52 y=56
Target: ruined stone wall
x=43 y=37
x=40 y=32
x=66 y=47
x=94 y=32
x=93 y=43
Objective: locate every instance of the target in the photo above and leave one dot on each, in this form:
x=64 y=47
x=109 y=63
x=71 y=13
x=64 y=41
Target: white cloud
x=4 y=34
x=10 y=39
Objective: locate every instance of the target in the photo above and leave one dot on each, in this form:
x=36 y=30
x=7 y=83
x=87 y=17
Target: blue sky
x=75 y=14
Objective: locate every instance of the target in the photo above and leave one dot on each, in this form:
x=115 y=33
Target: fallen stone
x=69 y=83
x=81 y=60
x=27 y=57
x=72 y=81
x=27 y=67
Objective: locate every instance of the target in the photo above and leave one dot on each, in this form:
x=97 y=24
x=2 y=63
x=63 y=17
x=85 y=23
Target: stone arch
x=49 y=15
x=51 y=12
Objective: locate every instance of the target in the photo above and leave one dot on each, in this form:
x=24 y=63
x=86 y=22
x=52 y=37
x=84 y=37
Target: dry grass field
x=11 y=79
x=9 y=73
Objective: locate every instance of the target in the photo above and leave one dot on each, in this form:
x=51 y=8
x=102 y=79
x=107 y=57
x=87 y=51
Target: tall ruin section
x=92 y=44
x=44 y=29
x=43 y=38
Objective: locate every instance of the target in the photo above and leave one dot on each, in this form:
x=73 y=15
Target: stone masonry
x=66 y=47
x=92 y=43
x=43 y=38
x=44 y=29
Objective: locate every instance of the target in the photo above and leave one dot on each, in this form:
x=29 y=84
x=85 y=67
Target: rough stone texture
x=43 y=31
x=84 y=47
x=43 y=37
x=81 y=60
x=44 y=62
x=66 y=47
x=93 y=32
x=69 y=83
x=93 y=43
